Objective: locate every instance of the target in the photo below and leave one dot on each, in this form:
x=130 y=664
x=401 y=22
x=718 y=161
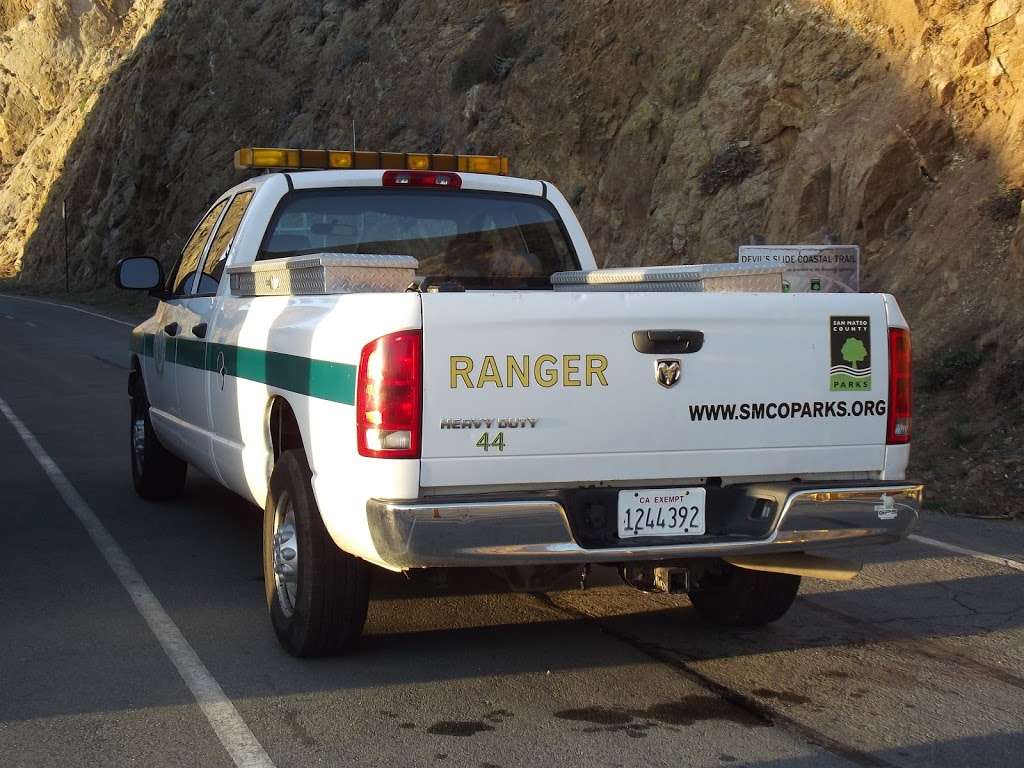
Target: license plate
x=661 y=512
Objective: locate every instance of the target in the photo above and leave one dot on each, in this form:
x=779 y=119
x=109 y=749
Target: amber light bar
x=331 y=159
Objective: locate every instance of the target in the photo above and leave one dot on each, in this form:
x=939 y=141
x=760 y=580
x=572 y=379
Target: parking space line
x=67 y=306
x=997 y=559
x=234 y=734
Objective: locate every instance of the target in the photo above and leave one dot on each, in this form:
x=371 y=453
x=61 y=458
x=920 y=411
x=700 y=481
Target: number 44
x=486 y=443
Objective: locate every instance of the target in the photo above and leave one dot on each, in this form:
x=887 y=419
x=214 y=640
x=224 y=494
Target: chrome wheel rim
x=286 y=554
x=138 y=441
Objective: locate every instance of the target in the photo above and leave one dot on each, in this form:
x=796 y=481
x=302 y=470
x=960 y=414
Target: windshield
x=478 y=239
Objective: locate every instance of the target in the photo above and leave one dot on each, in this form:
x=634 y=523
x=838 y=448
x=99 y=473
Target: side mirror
x=140 y=273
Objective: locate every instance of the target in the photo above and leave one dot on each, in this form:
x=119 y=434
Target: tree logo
x=850 y=344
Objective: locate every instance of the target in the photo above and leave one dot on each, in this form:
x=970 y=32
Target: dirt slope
x=679 y=129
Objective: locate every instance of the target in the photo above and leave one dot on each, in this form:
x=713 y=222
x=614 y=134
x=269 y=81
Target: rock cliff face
x=678 y=129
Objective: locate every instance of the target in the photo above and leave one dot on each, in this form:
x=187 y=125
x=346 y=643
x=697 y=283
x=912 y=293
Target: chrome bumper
x=533 y=531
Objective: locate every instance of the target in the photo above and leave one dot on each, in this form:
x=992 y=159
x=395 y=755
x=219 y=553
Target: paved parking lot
x=918 y=662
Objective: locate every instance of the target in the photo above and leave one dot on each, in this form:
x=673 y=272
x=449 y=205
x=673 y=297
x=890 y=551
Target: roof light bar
x=277 y=158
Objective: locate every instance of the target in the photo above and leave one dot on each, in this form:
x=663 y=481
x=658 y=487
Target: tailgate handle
x=668 y=342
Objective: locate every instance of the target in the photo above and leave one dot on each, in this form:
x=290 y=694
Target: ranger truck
x=368 y=347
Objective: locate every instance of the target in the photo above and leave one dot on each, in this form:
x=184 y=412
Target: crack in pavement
x=930 y=649
x=675 y=661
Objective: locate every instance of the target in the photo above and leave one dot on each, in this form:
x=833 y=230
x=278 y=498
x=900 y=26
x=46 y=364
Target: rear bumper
x=533 y=530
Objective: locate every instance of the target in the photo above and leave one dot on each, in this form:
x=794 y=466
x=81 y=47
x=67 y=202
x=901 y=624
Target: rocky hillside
x=678 y=128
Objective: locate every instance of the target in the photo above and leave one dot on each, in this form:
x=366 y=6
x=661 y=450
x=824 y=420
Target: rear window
x=479 y=239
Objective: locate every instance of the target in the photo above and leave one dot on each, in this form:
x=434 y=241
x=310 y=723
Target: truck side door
x=198 y=310
x=171 y=349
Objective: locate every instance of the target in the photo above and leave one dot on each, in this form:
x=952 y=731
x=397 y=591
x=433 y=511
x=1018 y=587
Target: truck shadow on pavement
x=473 y=612
x=418 y=631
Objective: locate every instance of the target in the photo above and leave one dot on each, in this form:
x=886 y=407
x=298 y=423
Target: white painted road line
x=229 y=726
x=68 y=306
x=1004 y=561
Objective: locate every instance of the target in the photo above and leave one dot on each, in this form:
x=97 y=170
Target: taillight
x=388 y=397
x=435 y=179
x=900 y=388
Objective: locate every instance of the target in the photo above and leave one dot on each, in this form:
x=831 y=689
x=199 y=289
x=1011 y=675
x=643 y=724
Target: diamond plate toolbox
x=710 y=278
x=323 y=273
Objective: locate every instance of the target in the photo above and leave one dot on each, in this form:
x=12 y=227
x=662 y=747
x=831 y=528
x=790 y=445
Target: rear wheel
x=317 y=594
x=738 y=597
x=156 y=472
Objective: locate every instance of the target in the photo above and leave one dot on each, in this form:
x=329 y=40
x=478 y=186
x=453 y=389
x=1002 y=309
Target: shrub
x=1008 y=382
x=353 y=52
x=1004 y=206
x=729 y=167
x=491 y=54
x=388 y=9
x=961 y=434
x=953 y=368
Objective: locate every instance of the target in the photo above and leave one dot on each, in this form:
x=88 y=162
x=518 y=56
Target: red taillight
x=435 y=179
x=900 y=388
x=388 y=397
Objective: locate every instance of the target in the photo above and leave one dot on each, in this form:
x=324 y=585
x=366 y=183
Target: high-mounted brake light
x=901 y=408
x=276 y=158
x=388 y=397
x=422 y=179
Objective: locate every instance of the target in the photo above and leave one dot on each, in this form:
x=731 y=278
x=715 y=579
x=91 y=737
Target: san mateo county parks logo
x=850 y=344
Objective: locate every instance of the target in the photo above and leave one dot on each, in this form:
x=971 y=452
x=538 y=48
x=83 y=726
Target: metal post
x=67 y=260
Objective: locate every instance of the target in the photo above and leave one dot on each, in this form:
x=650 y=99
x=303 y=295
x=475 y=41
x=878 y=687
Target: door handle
x=668 y=342
x=199 y=330
x=171 y=329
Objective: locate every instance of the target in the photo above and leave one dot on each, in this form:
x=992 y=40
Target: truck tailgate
x=781 y=385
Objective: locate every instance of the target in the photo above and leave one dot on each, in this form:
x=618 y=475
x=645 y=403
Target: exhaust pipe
x=799 y=564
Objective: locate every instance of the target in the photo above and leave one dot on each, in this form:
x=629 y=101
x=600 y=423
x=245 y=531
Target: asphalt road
x=918 y=662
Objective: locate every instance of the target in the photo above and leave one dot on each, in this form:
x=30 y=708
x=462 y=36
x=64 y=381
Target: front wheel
x=156 y=472
x=738 y=597
x=317 y=594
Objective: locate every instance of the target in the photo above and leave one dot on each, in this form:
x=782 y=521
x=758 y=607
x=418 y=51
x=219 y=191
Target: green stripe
x=190 y=353
x=322 y=379
x=142 y=343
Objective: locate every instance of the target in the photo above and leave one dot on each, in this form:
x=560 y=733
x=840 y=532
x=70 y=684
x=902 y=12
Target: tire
x=157 y=474
x=738 y=597
x=317 y=604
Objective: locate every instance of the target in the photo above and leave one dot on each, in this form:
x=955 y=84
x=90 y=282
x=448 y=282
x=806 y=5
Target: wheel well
x=284 y=428
x=135 y=377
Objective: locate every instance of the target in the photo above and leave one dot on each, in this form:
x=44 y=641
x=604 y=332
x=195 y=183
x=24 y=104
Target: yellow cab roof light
x=276 y=158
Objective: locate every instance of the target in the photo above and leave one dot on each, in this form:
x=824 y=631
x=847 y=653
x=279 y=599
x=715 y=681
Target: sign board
x=809 y=268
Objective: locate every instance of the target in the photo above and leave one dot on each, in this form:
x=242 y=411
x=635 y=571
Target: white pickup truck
x=711 y=443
